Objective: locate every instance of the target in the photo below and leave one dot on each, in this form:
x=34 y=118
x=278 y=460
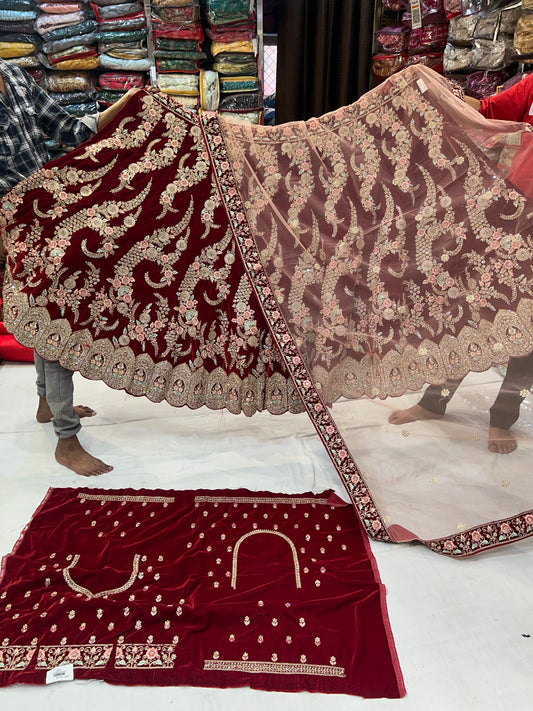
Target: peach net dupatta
x=389 y=244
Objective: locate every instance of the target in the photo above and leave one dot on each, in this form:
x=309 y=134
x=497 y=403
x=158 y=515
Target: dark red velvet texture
x=204 y=588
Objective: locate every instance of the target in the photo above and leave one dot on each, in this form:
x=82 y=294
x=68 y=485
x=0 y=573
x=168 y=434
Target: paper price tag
x=422 y=85
x=63 y=673
x=416 y=15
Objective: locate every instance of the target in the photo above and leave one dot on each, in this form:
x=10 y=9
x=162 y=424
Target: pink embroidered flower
x=318 y=407
x=505 y=528
x=476 y=536
x=343 y=453
x=355 y=478
x=296 y=360
x=529 y=519
x=376 y=525
x=74 y=653
x=449 y=545
x=152 y=653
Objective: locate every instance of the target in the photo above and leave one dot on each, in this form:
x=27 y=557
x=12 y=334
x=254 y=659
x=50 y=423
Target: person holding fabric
x=513 y=104
x=28 y=115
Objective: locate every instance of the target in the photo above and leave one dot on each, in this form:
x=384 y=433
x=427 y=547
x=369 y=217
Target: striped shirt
x=28 y=115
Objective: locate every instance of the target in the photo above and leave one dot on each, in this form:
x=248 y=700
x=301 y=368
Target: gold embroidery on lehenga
x=134 y=499
x=114 y=591
x=258 y=500
x=275 y=533
x=252 y=667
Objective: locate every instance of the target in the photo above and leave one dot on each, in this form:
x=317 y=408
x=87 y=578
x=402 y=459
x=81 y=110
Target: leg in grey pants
x=506 y=408
x=54 y=383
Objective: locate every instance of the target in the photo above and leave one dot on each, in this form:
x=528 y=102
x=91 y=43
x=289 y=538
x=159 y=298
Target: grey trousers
x=506 y=408
x=55 y=384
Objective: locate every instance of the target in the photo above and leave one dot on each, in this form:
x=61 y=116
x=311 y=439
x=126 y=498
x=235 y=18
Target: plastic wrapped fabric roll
x=29 y=62
x=109 y=62
x=111 y=11
x=82 y=109
x=176 y=65
x=244 y=46
x=18 y=26
x=67 y=42
x=128 y=36
x=56 y=8
x=119 y=81
x=14 y=15
x=249 y=116
x=72 y=97
x=80 y=28
x=234 y=68
x=232 y=85
x=188 y=14
x=77 y=52
x=16 y=5
x=209 y=90
x=68 y=81
x=15 y=49
x=86 y=63
x=124 y=24
x=240 y=102
x=46 y=23
x=122 y=52
x=180 y=83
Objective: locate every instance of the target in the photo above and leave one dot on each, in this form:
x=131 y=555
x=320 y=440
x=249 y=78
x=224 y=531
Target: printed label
x=65 y=672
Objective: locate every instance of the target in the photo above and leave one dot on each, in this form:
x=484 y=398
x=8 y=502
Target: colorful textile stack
x=122 y=48
x=68 y=51
x=177 y=41
x=232 y=31
x=19 y=43
x=419 y=37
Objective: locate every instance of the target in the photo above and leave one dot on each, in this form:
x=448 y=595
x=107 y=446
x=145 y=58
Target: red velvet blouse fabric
x=208 y=588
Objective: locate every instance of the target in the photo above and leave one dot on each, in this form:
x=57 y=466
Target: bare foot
x=400 y=417
x=71 y=454
x=44 y=413
x=501 y=441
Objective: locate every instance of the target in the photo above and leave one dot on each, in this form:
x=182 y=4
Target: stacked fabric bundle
x=177 y=42
x=67 y=29
x=122 y=48
x=232 y=31
x=19 y=44
x=480 y=51
x=418 y=38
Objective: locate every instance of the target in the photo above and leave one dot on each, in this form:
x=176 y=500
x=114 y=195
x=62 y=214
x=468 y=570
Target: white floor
x=463 y=628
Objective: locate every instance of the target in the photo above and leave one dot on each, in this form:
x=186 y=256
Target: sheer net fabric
x=355 y=257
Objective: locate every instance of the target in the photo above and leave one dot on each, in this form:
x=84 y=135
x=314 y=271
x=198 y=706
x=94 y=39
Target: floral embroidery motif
x=86 y=656
x=141 y=656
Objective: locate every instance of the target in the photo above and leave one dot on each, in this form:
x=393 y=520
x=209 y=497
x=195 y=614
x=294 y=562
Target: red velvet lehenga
x=326 y=265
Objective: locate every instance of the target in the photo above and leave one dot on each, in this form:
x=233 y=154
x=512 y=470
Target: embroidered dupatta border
x=318 y=412
x=465 y=543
